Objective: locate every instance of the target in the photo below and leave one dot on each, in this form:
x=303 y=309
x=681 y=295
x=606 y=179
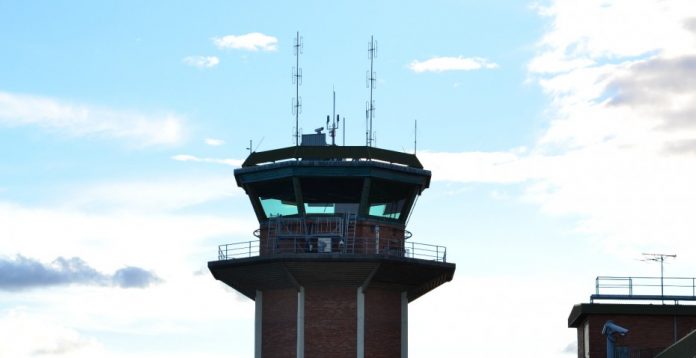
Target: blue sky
x=560 y=135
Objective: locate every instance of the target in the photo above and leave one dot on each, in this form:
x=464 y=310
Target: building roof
x=332 y=152
x=581 y=311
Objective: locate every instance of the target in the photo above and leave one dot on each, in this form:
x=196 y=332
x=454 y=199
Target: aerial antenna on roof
x=336 y=121
x=415 y=135
x=253 y=149
x=661 y=259
x=297 y=81
x=371 y=80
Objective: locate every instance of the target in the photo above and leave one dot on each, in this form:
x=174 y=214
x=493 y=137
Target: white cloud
x=620 y=28
x=202 y=61
x=192 y=158
x=214 y=142
x=159 y=194
x=253 y=41
x=441 y=64
x=84 y=120
x=26 y=335
x=619 y=152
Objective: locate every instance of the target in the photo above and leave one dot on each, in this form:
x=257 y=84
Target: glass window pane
x=328 y=208
x=387 y=210
x=387 y=198
x=277 y=197
x=274 y=207
x=336 y=195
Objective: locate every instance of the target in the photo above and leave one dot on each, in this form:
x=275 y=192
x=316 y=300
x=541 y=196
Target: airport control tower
x=332 y=268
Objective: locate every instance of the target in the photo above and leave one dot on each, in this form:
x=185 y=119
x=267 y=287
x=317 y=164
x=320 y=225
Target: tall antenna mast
x=332 y=126
x=415 y=135
x=371 y=84
x=661 y=259
x=297 y=81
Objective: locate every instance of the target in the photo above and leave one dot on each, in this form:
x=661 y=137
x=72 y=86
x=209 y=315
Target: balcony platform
x=398 y=273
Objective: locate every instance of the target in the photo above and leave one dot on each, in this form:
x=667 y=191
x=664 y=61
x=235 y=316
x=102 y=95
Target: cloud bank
x=254 y=41
x=193 y=158
x=23 y=273
x=619 y=151
x=83 y=120
x=442 y=64
x=202 y=61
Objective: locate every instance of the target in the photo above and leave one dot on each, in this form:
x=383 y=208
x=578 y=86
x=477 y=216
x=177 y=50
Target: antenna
x=661 y=259
x=258 y=145
x=371 y=80
x=415 y=135
x=253 y=149
x=297 y=81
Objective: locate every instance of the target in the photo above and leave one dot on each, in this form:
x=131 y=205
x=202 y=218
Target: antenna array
x=371 y=81
x=297 y=81
x=661 y=259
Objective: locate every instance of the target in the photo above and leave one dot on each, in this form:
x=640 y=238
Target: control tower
x=332 y=268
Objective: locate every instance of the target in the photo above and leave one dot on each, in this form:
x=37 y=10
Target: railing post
x=249 y=248
x=597 y=285
x=630 y=286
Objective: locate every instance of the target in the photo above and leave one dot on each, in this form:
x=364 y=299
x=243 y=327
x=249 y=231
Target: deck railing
x=360 y=246
x=645 y=288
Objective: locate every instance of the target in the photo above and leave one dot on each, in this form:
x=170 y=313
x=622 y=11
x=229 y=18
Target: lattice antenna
x=297 y=81
x=661 y=259
x=336 y=121
x=371 y=81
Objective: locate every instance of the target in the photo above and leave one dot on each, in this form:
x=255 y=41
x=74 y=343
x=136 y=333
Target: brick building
x=653 y=327
x=333 y=267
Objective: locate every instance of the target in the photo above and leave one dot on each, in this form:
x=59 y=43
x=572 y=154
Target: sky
x=561 y=136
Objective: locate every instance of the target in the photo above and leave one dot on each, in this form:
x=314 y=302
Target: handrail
x=361 y=246
x=645 y=288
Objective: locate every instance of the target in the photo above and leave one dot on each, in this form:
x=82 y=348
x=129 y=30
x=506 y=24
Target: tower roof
x=354 y=153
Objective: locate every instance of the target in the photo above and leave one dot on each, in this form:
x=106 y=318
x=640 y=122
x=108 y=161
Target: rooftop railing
x=645 y=288
x=323 y=246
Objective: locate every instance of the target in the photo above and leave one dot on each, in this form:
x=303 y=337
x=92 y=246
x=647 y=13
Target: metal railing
x=239 y=250
x=322 y=246
x=645 y=288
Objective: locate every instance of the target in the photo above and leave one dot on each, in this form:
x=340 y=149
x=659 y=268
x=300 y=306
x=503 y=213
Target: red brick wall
x=330 y=322
x=279 y=323
x=646 y=332
x=382 y=324
x=389 y=236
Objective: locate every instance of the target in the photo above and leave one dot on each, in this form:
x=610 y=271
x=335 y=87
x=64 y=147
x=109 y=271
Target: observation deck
x=332 y=215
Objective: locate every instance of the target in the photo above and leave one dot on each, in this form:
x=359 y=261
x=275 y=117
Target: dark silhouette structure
x=333 y=267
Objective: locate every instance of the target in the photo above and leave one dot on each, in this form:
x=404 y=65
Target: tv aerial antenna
x=371 y=81
x=661 y=259
x=335 y=122
x=253 y=149
x=297 y=81
x=415 y=136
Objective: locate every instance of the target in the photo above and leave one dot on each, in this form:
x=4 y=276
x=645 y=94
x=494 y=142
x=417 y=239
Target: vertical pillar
x=361 y=323
x=404 y=325
x=257 y=324
x=300 y=322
